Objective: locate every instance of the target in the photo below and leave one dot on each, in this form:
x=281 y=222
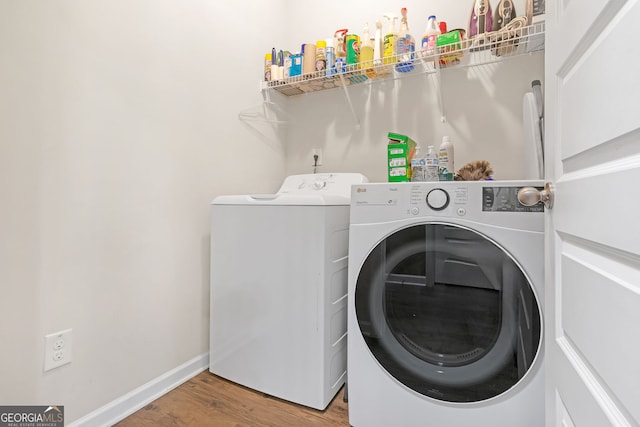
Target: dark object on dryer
x=476 y=170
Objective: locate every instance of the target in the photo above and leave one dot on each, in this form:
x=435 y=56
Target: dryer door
x=448 y=312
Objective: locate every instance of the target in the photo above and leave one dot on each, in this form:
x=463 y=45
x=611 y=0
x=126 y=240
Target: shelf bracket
x=346 y=94
x=260 y=112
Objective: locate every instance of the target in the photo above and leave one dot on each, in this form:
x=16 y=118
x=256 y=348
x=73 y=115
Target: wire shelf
x=479 y=50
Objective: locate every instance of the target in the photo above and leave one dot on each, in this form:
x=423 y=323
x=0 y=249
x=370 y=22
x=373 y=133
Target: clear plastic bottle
x=432 y=31
x=406 y=45
x=431 y=165
x=417 y=167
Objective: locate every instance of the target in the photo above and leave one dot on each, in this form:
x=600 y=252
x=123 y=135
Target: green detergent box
x=450 y=47
x=400 y=151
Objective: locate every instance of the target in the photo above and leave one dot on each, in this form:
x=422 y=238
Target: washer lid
x=327 y=189
x=283 y=200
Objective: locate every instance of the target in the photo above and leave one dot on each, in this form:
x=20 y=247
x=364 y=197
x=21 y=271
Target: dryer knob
x=437 y=199
x=319 y=185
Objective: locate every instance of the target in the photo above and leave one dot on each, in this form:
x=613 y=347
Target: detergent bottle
x=406 y=45
x=429 y=37
x=445 y=160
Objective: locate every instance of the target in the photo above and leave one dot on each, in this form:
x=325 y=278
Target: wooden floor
x=208 y=400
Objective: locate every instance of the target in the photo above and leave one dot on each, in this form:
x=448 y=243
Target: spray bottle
x=406 y=45
x=378 y=50
x=378 y=47
x=340 y=65
x=366 y=53
x=389 y=41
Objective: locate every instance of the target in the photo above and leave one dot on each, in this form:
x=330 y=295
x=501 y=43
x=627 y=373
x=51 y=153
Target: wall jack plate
x=316 y=152
x=57 y=349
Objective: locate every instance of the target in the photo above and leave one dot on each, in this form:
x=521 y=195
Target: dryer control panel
x=505 y=199
x=489 y=202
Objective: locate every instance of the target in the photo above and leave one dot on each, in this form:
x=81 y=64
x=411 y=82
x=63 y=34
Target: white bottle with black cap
x=445 y=160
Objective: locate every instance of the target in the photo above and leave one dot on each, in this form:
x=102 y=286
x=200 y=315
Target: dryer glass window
x=448 y=313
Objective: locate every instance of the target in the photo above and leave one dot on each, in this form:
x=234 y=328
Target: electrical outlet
x=57 y=349
x=316 y=152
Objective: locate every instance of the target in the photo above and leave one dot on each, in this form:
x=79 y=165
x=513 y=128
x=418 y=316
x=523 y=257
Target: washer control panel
x=324 y=183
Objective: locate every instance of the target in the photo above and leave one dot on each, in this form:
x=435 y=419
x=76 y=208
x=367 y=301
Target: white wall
x=118 y=126
x=483 y=119
x=483 y=106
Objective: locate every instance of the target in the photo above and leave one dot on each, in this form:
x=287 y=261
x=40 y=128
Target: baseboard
x=126 y=405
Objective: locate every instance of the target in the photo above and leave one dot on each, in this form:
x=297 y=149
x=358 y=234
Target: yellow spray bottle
x=366 y=52
x=390 y=37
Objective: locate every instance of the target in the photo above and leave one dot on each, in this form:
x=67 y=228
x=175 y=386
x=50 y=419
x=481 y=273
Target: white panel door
x=592 y=70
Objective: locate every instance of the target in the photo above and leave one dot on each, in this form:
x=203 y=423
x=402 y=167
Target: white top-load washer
x=279 y=288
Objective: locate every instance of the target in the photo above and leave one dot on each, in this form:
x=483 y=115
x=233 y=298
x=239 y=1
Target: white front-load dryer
x=445 y=315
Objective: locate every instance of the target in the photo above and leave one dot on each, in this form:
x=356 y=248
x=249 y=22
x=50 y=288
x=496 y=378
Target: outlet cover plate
x=58 y=349
x=318 y=152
